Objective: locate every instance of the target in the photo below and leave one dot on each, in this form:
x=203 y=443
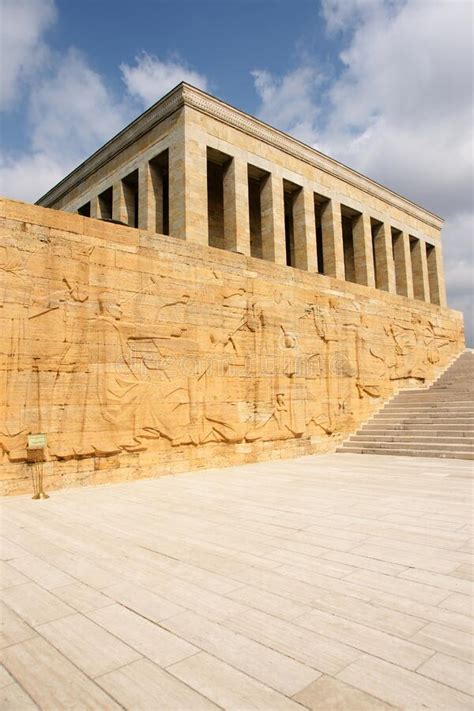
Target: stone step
x=429 y=395
x=378 y=436
x=400 y=409
x=432 y=427
x=460 y=386
x=436 y=422
x=421 y=431
x=411 y=416
x=432 y=401
x=447 y=402
x=454 y=378
x=452 y=375
x=427 y=414
x=404 y=444
x=420 y=438
x=444 y=390
x=405 y=453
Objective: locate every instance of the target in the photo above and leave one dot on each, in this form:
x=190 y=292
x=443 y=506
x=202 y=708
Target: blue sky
x=385 y=86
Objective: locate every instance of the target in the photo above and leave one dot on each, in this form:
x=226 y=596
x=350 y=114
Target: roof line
x=178 y=97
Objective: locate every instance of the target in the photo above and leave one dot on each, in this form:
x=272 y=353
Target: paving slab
x=338 y=581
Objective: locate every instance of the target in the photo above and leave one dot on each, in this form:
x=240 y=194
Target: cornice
x=186 y=95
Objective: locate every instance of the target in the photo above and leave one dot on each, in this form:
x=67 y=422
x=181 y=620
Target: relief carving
x=176 y=364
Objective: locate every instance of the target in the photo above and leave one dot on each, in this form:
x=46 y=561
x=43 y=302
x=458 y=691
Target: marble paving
x=339 y=581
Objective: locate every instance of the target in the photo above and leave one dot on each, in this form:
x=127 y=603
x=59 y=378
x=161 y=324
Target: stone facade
x=263 y=301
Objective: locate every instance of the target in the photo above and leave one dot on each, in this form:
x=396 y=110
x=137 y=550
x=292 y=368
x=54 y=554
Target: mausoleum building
x=207 y=290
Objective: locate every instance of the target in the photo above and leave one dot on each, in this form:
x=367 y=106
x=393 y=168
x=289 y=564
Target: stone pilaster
x=150 y=199
x=236 y=207
x=188 y=183
x=421 y=287
x=273 y=220
x=363 y=252
x=384 y=264
x=304 y=231
x=119 y=207
x=333 y=249
x=403 y=269
x=436 y=275
x=95 y=208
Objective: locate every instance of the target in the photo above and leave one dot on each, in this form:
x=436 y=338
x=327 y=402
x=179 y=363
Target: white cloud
x=29 y=175
x=71 y=114
x=289 y=100
x=400 y=111
x=150 y=77
x=458 y=245
x=343 y=15
x=73 y=110
x=23 y=51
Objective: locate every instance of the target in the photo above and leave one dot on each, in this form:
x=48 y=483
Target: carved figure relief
x=182 y=364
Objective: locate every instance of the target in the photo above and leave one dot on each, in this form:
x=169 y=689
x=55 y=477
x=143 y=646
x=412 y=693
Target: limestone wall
x=140 y=355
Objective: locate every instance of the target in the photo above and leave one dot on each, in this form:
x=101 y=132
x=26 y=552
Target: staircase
x=432 y=422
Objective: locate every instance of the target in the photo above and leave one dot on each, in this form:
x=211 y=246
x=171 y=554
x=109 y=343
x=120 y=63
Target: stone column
x=333 y=249
x=363 y=252
x=304 y=230
x=119 y=207
x=384 y=264
x=150 y=199
x=273 y=220
x=95 y=207
x=188 y=183
x=236 y=207
x=421 y=287
x=403 y=269
x=436 y=275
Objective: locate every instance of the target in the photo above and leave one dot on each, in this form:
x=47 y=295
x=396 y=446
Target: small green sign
x=37 y=441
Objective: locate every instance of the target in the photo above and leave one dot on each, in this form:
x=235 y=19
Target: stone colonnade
x=207 y=197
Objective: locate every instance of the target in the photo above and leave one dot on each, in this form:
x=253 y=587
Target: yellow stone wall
x=141 y=355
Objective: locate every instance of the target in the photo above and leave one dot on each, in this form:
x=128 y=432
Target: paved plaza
x=340 y=581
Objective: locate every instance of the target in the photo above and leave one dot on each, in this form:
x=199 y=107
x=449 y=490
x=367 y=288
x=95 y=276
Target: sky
x=384 y=86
